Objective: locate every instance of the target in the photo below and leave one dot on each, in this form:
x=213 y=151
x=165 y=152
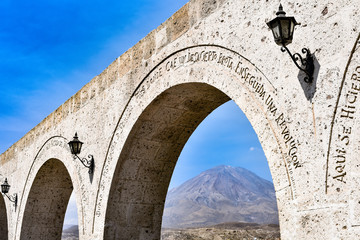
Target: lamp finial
x=281 y=12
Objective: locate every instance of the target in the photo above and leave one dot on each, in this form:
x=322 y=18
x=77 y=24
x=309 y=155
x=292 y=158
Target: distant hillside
x=221 y=194
x=224 y=231
x=70 y=233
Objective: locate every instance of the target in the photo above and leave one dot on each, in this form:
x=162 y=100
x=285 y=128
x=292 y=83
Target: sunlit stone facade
x=136 y=116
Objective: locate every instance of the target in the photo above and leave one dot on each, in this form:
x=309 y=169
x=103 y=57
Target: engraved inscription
x=279 y=117
x=338 y=165
x=53 y=142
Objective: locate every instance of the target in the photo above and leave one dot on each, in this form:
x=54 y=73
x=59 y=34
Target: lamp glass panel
x=77 y=147
x=275 y=27
x=292 y=26
x=71 y=145
x=285 y=27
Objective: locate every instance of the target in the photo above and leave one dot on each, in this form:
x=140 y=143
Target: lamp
x=5 y=187
x=282 y=28
x=75 y=148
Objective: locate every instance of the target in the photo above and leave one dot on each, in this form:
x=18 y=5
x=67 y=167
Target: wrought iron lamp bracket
x=306 y=64
x=12 y=198
x=89 y=163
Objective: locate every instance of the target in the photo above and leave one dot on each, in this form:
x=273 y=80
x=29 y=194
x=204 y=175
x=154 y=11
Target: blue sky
x=50 y=49
x=225 y=137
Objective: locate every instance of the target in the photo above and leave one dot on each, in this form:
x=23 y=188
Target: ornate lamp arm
x=89 y=163
x=12 y=198
x=307 y=62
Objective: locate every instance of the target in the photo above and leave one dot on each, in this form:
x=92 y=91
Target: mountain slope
x=221 y=194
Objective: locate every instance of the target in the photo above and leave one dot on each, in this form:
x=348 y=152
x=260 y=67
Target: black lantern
x=75 y=145
x=5 y=187
x=282 y=28
x=75 y=148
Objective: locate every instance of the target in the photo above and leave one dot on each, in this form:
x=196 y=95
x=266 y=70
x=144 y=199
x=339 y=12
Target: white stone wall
x=309 y=132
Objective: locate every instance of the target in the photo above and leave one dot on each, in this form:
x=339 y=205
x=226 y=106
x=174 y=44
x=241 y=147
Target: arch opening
x=3 y=220
x=147 y=160
x=221 y=184
x=71 y=227
x=47 y=202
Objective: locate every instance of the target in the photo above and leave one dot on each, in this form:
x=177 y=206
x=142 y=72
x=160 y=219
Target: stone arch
x=47 y=202
x=149 y=157
x=54 y=148
x=170 y=103
x=3 y=220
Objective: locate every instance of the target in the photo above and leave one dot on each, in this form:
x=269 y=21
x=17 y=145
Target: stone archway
x=3 y=220
x=47 y=202
x=149 y=156
x=170 y=103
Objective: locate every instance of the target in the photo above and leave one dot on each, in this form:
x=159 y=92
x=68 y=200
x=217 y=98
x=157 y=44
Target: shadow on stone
x=310 y=88
x=91 y=175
